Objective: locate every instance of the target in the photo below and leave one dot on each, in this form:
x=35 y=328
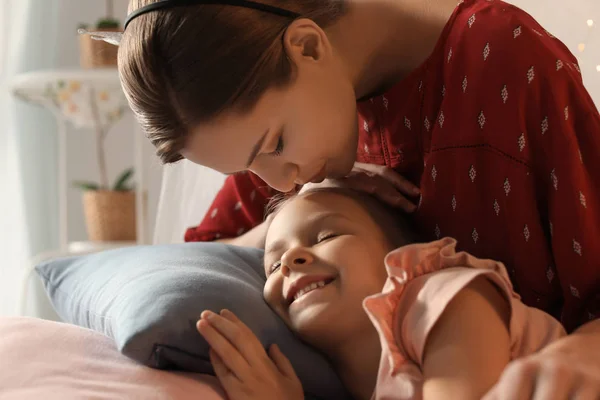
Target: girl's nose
x=294 y=258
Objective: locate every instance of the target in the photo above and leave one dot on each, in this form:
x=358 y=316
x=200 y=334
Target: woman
x=477 y=105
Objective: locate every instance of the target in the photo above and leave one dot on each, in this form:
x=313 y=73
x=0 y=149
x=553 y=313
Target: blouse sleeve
x=238 y=207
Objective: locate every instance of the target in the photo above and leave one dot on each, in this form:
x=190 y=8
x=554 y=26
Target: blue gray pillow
x=148 y=300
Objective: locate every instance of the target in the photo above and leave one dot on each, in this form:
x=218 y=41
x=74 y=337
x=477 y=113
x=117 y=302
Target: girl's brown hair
x=395 y=224
x=183 y=66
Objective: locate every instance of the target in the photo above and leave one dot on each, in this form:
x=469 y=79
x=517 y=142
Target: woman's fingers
x=397 y=180
x=380 y=188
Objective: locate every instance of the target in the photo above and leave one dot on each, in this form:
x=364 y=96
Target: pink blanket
x=48 y=360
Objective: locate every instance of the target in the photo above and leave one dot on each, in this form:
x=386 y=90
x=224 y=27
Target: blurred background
x=76 y=174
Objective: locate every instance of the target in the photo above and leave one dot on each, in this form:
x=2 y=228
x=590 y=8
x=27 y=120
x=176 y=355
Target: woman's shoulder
x=495 y=31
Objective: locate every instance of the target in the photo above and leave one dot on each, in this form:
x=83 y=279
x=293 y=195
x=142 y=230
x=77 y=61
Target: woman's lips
x=320 y=176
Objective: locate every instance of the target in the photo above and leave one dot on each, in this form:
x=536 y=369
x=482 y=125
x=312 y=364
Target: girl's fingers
x=238 y=335
x=282 y=362
x=231 y=317
x=229 y=355
x=221 y=371
x=250 y=336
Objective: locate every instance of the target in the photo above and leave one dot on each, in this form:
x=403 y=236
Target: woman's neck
x=382 y=41
x=356 y=360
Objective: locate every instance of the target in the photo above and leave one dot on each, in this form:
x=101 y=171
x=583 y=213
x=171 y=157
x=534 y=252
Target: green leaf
x=61 y=84
x=108 y=23
x=86 y=186
x=122 y=183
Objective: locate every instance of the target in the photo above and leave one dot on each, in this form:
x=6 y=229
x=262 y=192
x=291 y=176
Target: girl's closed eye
x=324 y=236
x=275 y=266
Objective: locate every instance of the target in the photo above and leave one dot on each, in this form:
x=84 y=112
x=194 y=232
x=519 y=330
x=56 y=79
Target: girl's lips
x=302 y=283
x=309 y=297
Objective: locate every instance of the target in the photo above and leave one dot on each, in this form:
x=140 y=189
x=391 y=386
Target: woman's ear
x=305 y=41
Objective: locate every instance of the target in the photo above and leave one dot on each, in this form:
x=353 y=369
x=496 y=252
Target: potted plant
x=110 y=212
x=97 y=53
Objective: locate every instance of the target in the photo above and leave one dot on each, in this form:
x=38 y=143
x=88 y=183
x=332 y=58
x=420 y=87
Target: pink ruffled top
x=422 y=280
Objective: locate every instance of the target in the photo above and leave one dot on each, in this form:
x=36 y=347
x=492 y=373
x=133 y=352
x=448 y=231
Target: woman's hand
x=567 y=369
x=381 y=181
x=242 y=365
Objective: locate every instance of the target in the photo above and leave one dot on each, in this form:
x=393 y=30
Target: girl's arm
x=469 y=346
x=253 y=238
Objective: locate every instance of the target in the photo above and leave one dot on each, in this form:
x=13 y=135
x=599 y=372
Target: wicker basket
x=110 y=216
x=97 y=53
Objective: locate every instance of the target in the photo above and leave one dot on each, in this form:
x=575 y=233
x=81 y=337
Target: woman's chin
x=345 y=167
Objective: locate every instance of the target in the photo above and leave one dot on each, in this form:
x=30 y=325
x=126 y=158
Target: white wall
x=120 y=141
x=567 y=20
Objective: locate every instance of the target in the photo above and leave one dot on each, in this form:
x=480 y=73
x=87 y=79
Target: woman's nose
x=279 y=177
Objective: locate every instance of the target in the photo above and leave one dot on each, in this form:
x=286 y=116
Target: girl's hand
x=242 y=365
x=384 y=183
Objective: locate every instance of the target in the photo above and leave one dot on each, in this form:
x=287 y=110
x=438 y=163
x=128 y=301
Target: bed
x=51 y=359
x=141 y=303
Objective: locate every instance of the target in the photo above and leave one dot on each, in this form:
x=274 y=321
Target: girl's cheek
x=272 y=292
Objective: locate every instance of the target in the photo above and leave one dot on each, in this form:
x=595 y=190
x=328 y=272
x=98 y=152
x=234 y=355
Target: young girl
x=475 y=104
x=444 y=327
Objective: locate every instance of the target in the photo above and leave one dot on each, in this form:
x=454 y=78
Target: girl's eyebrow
x=275 y=247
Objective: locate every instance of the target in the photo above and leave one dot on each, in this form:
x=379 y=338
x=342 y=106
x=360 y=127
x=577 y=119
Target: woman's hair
x=394 y=223
x=184 y=66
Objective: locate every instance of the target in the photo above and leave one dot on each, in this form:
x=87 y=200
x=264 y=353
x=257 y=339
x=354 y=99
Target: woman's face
x=301 y=133
x=324 y=254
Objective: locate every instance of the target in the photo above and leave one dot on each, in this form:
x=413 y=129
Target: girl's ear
x=305 y=41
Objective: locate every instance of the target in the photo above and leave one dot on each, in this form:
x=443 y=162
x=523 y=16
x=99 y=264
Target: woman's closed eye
x=279 y=149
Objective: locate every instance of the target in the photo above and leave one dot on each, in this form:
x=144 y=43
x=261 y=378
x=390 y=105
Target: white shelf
x=84 y=99
x=94 y=247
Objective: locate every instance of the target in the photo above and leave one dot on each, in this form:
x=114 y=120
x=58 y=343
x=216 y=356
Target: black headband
x=165 y=4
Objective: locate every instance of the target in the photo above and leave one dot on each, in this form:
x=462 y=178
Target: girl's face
x=324 y=255
x=300 y=133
